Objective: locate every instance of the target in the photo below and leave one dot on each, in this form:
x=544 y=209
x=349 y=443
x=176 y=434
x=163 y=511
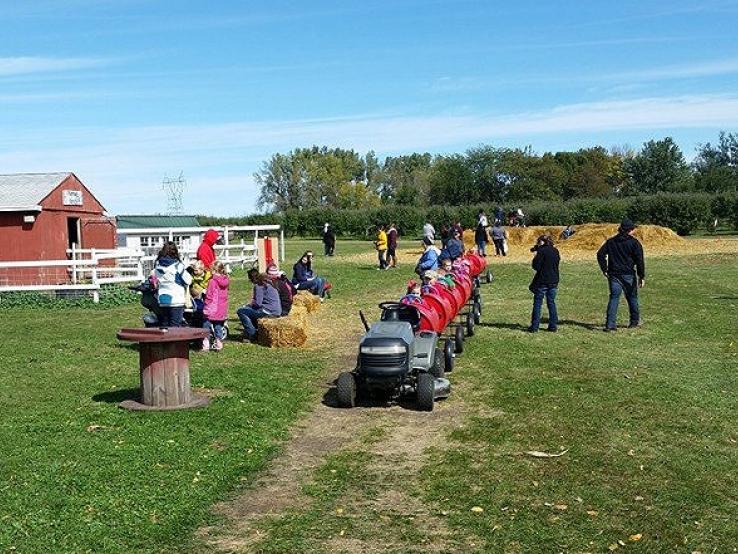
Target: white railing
x=78 y=273
x=89 y=269
x=224 y=230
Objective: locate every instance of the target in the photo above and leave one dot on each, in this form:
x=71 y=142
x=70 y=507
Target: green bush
x=110 y=296
x=683 y=212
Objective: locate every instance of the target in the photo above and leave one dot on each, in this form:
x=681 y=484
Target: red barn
x=43 y=214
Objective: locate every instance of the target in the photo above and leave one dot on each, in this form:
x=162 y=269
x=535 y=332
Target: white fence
x=100 y=268
x=89 y=269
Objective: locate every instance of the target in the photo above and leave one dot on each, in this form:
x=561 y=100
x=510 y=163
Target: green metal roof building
x=152 y=221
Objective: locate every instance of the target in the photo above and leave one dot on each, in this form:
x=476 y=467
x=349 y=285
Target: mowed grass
x=79 y=474
x=648 y=418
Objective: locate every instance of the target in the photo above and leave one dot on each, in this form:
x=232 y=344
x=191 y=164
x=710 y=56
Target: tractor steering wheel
x=391 y=306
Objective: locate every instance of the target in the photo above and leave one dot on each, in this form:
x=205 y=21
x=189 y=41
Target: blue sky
x=124 y=92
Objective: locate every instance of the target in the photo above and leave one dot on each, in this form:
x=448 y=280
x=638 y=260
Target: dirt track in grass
x=406 y=435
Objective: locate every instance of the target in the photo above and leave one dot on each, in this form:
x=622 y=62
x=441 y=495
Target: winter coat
x=381 y=242
x=454 y=249
x=429 y=260
x=216 y=298
x=546 y=265
x=499 y=233
x=301 y=273
x=172 y=279
x=200 y=283
x=329 y=238
x=284 y=289
x=392 y=238
x=206 y=252
x=267 y=298
x=480 y=234
x=620 y=255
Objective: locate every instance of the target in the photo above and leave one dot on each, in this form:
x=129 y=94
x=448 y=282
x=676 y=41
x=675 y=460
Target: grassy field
x=648 y=419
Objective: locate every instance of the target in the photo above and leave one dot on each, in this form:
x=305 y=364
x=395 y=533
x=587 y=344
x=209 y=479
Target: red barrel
x=464 y=282
x=460 y=297
x=430 y=319
x=441 y=306
x=450 y=298
x=477 y=263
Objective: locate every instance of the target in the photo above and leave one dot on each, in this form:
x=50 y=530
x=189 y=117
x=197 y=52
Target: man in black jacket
x=545 y=283
x=621 y=261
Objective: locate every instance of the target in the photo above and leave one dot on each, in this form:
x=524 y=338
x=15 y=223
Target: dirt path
x=406 y=435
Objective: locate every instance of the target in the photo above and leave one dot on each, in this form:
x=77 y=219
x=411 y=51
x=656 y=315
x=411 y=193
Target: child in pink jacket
x=216 y=306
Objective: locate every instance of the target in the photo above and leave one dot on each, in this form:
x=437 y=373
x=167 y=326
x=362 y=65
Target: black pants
x=499 y=247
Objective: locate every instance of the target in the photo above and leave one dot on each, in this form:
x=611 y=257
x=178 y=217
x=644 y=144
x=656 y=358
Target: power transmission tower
x=174 y=189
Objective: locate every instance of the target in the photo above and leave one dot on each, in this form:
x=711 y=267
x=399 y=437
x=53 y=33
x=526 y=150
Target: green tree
x=404 y=179
x=717 y=166
x=658 y=167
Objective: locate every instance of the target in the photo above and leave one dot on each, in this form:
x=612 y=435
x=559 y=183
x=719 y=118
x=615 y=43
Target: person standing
x=329 y=240
x=392 y=246
x=545 y=283
x=173 y=280
x=480 y=234
x=206 y=251
x=499 y=236
x=429 y=231
x=499 y=215
x=381 y=246
x=621 y=261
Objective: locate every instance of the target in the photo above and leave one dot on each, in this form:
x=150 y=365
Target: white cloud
x=23 y=65
x=124 y=166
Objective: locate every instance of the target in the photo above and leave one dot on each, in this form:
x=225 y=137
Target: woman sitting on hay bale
x=264 y=303
x=304 y=279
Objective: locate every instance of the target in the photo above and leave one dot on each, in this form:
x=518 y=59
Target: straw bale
x=588 y=237
x=306 y=299
x=290 y=331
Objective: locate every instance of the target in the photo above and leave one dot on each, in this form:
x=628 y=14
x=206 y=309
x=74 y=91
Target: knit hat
x=273 y=271
x=626 y=226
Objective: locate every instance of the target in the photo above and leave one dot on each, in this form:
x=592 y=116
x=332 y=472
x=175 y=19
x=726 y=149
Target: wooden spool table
x=164 y=360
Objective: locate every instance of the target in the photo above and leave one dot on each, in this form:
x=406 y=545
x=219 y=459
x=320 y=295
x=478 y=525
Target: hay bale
x=588 y=237
x=279 y=332
x=306 y=299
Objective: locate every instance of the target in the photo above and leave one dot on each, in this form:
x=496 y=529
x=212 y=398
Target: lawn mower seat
x=405 y=313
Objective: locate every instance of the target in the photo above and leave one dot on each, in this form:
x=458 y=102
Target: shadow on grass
x=725 y=297
x=117 y=396
x=330 y=399
x=524 y=328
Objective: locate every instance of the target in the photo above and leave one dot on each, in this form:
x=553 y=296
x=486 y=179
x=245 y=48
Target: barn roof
x=25 y=191
x=152 y=221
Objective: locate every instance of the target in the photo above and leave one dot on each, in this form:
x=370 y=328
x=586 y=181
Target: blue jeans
x=482 y=247
x=249 y=316
x=619 y=284
x=382 y=257
x=215 y=328
x=315 y=285
x=170 y=316
x=539 y=293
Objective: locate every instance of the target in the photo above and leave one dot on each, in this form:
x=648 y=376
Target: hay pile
x=306 y=299
x=288 y=331
x=588 y=237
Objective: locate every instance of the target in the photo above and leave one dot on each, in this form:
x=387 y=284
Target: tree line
x=340 y=179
